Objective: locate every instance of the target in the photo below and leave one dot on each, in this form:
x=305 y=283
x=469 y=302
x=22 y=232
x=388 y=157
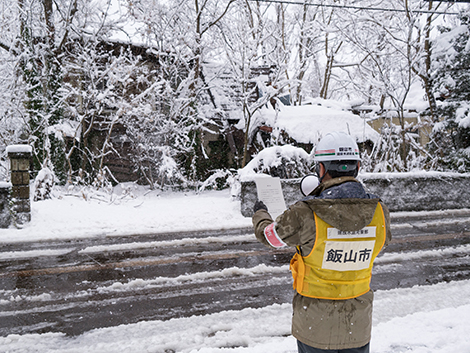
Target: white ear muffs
x=308 y=184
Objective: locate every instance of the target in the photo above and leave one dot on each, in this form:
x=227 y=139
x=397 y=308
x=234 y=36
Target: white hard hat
x=336 y=146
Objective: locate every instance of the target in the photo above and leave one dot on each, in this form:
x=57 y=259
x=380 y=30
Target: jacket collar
x=330 y=183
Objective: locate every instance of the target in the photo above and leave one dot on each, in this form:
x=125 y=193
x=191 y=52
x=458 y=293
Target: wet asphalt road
x=78 y=285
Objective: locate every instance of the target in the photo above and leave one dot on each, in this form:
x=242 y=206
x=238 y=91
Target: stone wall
x=423 y=191
x=5 y=198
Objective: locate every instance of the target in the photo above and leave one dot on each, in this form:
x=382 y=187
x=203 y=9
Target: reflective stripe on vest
x=340 y=263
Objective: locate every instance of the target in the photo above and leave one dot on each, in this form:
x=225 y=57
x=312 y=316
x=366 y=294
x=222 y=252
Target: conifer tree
x=451 y=82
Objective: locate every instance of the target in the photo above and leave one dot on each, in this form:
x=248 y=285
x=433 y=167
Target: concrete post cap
x=19 y=149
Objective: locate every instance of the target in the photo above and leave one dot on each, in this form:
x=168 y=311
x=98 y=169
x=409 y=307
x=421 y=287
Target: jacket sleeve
x=292 y=228
x=388 y=234
x=261 y=219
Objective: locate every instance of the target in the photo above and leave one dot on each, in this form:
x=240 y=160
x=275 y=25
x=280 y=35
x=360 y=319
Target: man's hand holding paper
x=270 y=193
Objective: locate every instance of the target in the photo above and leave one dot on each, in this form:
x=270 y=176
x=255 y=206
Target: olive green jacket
x=320 y=323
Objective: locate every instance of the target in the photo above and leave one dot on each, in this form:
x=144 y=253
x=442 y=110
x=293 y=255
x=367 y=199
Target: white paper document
x=270 y=192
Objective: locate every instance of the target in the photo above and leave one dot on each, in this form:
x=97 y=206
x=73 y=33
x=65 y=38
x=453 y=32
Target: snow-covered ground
x=414 y=320
x=129 y=210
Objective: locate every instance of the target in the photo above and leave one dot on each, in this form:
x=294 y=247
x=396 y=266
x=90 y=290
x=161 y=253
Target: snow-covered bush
x=388 y=154
x=451 y=138
x=219 y=179
x=43 y=184
x=286 y=162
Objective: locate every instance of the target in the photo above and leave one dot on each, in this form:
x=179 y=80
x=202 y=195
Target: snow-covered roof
x=308 y=123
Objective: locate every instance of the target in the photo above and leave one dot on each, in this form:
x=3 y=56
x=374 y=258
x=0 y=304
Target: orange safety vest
x=340 y=263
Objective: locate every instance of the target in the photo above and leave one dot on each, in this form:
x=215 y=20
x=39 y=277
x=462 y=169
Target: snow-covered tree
x=393 y=55
x=32 y=44
x=248 y=39
x=186 y=30
x=38 y=41
x=89 y=83
x=451 y=81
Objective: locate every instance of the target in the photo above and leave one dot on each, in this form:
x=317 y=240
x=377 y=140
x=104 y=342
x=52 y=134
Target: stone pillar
x=5 y=198
x=20 y=156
